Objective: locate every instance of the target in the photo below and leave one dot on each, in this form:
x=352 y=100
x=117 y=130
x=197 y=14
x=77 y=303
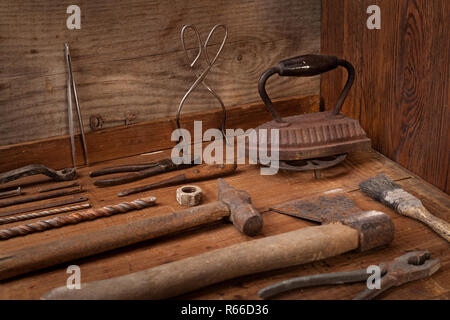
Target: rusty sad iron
x=316 y=140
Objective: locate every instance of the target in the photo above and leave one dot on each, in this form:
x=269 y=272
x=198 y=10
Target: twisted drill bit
x=42 y=213
x=75 y=218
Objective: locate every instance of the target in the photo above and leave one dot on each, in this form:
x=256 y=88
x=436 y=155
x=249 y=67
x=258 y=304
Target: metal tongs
x=200 y=77
x=409 y=267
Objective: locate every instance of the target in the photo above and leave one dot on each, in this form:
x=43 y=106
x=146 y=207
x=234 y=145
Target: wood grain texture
x=264 y=191
x=148 y=136
x=127 y=56
x=401 y=93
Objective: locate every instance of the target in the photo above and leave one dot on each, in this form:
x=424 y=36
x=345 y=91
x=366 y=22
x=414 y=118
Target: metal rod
x=77 y=103
x=11 y=193
x=313 y=281
x=75 y=218
x=40 y=197
x=67 y=186
x=33 y=215
x=45 y=206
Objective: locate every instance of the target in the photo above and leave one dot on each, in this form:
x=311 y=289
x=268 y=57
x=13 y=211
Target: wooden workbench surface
x=265 y=191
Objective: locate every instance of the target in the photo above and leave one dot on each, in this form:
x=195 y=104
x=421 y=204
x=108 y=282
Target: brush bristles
x=377 y=187
x=389 y=193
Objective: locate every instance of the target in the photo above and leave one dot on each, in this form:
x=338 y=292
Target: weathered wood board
x=265 y=191
x=127 y=56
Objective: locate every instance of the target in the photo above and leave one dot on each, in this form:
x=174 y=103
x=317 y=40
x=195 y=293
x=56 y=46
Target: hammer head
x=243 y=215
x=375 y=228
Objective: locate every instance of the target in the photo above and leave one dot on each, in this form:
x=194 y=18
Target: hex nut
x=189 y=195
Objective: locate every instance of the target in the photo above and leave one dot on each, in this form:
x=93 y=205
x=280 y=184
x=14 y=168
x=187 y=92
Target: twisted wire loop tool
x=200 y=77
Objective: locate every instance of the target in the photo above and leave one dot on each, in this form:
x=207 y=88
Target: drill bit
x=43 y=213
x=75 y=218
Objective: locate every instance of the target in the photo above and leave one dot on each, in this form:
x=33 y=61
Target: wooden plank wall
x=128 y=57
x=143 y=137
x=401 y=92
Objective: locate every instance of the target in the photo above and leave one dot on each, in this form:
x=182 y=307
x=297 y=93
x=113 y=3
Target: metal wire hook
x=202 y=50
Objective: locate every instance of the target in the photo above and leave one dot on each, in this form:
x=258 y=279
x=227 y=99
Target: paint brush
x=382 y=189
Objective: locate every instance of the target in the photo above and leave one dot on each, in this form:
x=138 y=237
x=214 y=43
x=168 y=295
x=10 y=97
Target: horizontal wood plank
x=143 y=137
x=127 y=56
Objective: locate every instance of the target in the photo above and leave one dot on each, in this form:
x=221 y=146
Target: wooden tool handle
x=209 y=171
x=202 y=172
x=420 y=213
x=175 y=278
x=59 y=251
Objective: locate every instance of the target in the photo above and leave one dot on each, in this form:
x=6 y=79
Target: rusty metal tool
x=66 y=186
x=233 y=204
x=74 y=218
x=33 y=169
x=202 y=172
x=96 y=121
x=316 y=140
x=45 y=206
x=326 y=209
x=345 y=229
x=139 y=171
x=39 y=197
x=71 y=85
x=382 y=189
x=409 y=267
x=11 y=193
x=126 y=168
x=39 y=214
x=200 y=78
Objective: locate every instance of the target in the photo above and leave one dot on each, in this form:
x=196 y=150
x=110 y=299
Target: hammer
x=345 y=228
x=233 y=204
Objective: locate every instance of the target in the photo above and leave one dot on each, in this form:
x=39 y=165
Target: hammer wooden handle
x=59 y=251
x=175 y=278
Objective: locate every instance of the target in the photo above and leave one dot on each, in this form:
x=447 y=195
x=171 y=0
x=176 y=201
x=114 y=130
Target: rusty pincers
x=409 y=267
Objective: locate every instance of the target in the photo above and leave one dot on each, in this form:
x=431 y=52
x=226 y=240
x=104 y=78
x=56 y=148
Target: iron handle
x=306 y=66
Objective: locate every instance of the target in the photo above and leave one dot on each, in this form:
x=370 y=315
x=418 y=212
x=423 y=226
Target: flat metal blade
x=321 y=209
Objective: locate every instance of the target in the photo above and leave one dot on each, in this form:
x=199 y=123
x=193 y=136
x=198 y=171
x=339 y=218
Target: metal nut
x=189 y=195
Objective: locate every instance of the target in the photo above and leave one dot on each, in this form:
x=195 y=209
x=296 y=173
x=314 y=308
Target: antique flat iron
x=316 y=140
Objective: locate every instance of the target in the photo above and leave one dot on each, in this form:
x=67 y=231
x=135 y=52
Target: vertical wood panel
x=401 y=92
x=128 y=57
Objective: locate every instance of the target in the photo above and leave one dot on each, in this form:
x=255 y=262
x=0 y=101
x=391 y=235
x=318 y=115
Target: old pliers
x=139 y=171
x=412 y=266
